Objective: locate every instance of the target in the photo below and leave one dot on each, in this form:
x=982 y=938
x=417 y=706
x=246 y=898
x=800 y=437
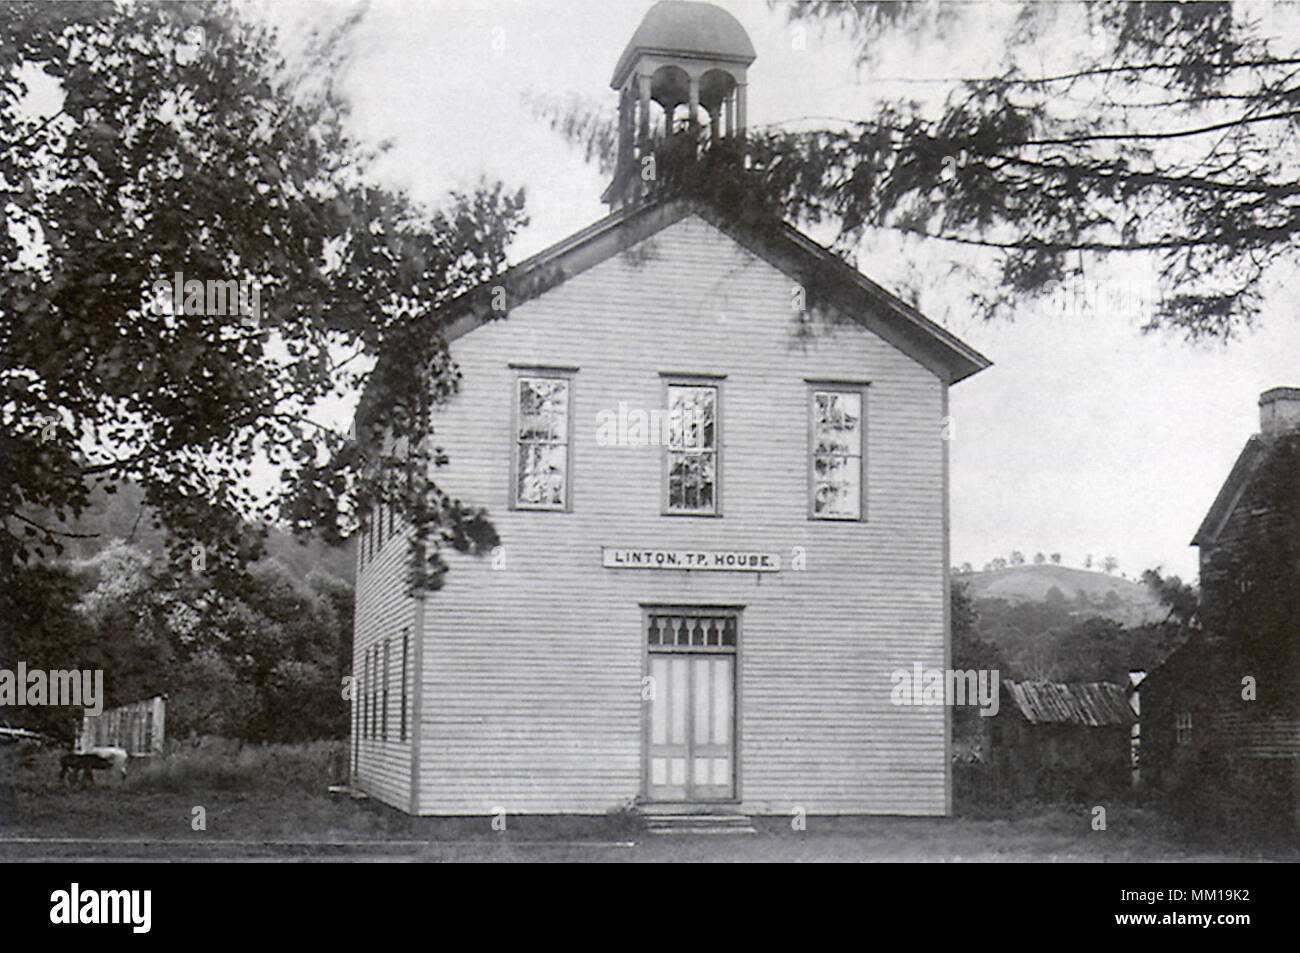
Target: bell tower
x=682 y=77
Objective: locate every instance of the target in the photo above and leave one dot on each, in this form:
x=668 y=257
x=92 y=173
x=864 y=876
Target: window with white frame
x=835 y=464
x=692 y=452
x=541 y=466
x=1184 y=727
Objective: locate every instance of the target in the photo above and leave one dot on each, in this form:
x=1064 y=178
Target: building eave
x=633 y=225
x=1230 y=493
x=783 y=246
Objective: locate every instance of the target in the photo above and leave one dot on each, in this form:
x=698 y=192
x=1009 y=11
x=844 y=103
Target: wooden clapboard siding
x=532 y=673
x=382 y=611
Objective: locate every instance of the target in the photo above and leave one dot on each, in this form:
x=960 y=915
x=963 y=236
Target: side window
x=365 y=695
x=692 y=462
x=406 y=648
x=540 y=472
x=383 y=716
x=835 y=464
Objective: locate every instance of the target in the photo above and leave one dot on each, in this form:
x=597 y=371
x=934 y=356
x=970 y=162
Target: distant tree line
x=1107 y=564
x=259 y=657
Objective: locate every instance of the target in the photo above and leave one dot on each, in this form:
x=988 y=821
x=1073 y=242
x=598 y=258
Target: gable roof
x=784 y=247
x=1092 y=704
x=1234 y=486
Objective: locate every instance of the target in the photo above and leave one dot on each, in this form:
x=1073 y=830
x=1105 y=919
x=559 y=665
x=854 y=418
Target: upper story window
x=1184 y=726
x=541 y=466
x=835 y=457
x=692 y=459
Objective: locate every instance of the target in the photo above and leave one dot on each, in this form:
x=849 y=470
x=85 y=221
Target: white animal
x=115 y=755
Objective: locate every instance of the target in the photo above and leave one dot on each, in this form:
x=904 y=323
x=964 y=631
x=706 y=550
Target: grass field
x=272 y=803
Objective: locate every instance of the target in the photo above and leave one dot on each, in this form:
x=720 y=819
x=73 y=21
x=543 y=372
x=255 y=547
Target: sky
x=1086 y=437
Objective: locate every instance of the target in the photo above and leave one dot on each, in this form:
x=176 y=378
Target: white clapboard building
x=720 y=534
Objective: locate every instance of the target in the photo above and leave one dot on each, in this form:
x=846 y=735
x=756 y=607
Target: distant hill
x=1052 y=622
x=1087 y=593
x=123 y=516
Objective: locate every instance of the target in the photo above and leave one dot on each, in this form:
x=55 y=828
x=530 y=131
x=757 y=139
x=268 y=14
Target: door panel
x=691 y=739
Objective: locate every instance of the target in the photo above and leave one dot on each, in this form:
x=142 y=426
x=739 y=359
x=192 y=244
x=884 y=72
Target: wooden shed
x=1057 y=740
x=137 y=727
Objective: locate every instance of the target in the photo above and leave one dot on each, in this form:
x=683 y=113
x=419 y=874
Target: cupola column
x=643 y=113
x=693 y=120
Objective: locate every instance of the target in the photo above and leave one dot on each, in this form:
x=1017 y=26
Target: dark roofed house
x=1053 y=740
x=1221 y=715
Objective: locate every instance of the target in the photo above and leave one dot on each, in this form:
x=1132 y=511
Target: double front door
x=690 y=752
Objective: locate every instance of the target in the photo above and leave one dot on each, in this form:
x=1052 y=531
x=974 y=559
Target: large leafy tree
x=1114 y=127
x=178 y=139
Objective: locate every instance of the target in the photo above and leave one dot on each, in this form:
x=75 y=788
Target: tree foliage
x=261 y=663
x=1175 y=133
x=181 y=141
x=1170 y=133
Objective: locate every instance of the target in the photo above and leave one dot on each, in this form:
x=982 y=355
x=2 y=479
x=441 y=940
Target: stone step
x=699 y=824
x=342 y=790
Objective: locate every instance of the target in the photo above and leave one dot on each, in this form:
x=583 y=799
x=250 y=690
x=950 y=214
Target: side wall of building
x=383 y=627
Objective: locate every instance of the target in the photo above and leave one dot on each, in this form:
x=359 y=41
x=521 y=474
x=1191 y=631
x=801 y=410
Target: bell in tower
x=681 y=79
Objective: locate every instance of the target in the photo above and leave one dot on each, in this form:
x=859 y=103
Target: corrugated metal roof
x=1082 y=703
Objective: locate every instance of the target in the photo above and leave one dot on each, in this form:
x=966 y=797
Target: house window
x=406 y=646
x=692 y=464
x=383 y=717
x=365 y=696
x=541 y=465
x=374 y=708
x=368 y=696
x=835 y=456
x=1184 y=727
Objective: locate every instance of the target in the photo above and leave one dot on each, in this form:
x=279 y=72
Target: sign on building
x=724 y=560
